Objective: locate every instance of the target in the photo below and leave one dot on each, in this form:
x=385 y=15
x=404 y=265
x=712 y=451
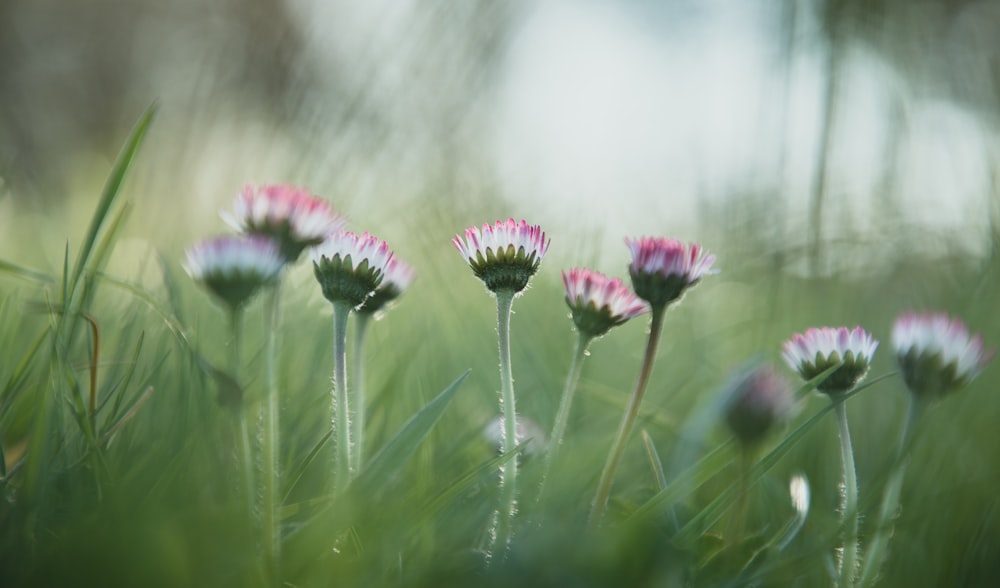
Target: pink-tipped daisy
x=233 y=268
x=758 y=398
x=817 y=350
x=662 y=269
x=397 y=277
x=936 y=353
x=504 y=255
x=291 y=216
x=350 y=267
x=598 y=302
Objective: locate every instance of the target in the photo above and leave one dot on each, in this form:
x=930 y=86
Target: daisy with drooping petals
x=662 y=269
x=817 y=350
x=234 y=268
x=349 y=267
x=598 y=302
x=936 y=353
x=504 y=255
x=291 y=216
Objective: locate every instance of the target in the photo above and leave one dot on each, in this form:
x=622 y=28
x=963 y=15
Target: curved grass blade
x=302 y=467
x=108 y=196
x=389 y=459
x=26 y=274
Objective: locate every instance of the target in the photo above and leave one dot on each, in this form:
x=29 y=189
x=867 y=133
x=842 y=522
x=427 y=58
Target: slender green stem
x=269 y=511
x=849 y=498
x=600 y=503
x=508 y=472
x=361 y=322
x=235 y=364
x=890 y=498
x=342 y=467
x=565 y=404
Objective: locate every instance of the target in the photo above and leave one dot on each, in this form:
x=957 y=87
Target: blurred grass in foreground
x=156 y=503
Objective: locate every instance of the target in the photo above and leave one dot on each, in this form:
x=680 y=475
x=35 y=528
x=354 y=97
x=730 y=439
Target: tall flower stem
x=235 y=364
x=361 y=322
x=508 y=473
x=565 y=404
x=600 y=503
x=849 y=497
x=272 y=535
x=343 y=469
x=890 y=498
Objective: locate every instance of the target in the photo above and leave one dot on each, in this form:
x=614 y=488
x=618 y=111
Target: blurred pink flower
x=291 y=216
x=936 y=353
x=234 y=267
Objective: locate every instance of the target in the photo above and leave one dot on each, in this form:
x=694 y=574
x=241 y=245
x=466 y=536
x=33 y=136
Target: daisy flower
x=504 y=255
x=291 y=216
x=349 y=267
x=662 y=269
x=598 y=302
x=397 y=277
x=817 y=350
x=936 y=353
x=233 y=268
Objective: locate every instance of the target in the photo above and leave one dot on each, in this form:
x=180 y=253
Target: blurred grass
x=161 y=504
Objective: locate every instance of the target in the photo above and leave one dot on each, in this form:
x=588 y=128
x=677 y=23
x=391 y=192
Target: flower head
x=936 y=353
x=598 y=302
x=291 y=216
x=350 y=267
x=504 y=255
x=397 y=277
x=758 y=399
x=817 y=350
x=233 y=268
x=662 y=269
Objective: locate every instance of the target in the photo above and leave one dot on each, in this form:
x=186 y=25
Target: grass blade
x=110 y=193
x=384 y=464
x=27 y=274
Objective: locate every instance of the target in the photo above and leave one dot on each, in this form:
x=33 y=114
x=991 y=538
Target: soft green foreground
x=149 y=493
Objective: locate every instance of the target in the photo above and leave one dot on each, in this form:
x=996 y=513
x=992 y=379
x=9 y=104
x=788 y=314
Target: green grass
x=145 y=490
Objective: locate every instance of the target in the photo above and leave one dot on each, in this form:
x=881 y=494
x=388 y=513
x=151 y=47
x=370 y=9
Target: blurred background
x=824 y=126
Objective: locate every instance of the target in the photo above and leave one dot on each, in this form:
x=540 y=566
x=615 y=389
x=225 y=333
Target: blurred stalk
x=235 y=367
x=823 y=153
x=565 y=404
x=890 y=497
x=272 y=535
